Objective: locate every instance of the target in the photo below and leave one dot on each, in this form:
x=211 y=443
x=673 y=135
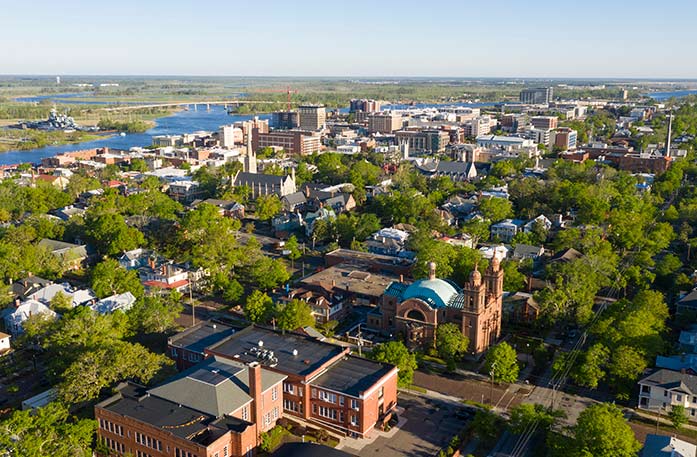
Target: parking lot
x=430 y=425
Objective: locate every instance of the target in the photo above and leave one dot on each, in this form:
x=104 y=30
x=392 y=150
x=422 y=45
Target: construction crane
x=287 y=91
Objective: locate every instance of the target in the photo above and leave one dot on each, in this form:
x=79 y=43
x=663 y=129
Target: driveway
x=430 y=425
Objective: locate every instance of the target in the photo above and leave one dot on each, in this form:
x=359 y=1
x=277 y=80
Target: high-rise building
x=384 y=122
x=480 y=125
x=365 y=105
x=538 y=96
x=292 y=141
x=285 y=120
x=229 y=135
x=428 y=141
x=544 y=122
x=312 y=117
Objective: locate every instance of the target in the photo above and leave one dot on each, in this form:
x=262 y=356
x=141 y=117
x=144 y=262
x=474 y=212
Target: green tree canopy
x=602 y=431
x=294 y=315
x=451 y=343
x=258 y=308
x=396 y=353
x=108 y=278
x=501 y=363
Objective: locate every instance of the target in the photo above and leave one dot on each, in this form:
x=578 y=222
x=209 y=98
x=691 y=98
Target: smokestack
x=254 y=369
x=431 y=271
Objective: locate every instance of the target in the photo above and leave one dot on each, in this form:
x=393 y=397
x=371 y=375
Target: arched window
x=416 y=315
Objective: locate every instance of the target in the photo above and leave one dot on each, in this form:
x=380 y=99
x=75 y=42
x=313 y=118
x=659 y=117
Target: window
x=314 y=393
x=245 y=413
x=274 y=393
x=225 y=451
x=341 y=400
x=328 y=397
x=288 y=388
x=275 y=412
x=694 y=399
x=327 y=412
x=678 y=397
x=692 y=412
x=174 y=352
x=354 y=420
x=341 y=416
x=217 y=454
x=382 y=392
x=354 y=404
x=665 y=393
x=645 y=389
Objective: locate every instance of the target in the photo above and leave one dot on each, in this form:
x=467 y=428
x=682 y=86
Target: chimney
x=401 y=278
x=17 y=302
x=254 y=370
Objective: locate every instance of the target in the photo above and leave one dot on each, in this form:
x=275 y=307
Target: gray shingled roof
x=672 y=380
x=216 y=386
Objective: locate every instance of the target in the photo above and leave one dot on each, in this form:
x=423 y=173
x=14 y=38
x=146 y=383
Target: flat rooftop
x=276 y=350
x=352 y=375
x=134 y=402
x=360 y=256
x=201 y=336
x=351 y=278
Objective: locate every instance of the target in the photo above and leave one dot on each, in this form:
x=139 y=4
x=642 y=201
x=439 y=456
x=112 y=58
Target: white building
x=503 y=142
x=506 y=229
x=108 y=305
x=4 y=342
x=663 y=389
x=15 y=317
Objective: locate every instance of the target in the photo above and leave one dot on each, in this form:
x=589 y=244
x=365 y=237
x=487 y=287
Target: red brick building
x=215 y=409
x=415 y=310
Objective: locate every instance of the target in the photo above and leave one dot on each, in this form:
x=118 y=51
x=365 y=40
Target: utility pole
x=360 y=341
x=193 y=306
x=491 y=373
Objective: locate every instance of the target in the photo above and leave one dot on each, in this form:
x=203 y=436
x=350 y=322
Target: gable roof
x=672 y=380
x=667 y=446
x=689 y=300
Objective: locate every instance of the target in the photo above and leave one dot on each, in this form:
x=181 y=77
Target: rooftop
x=277 y=349
x=436 y=292
x=201 y=336
x=351 y=279
x=667 y=446
x=352 y=375
x=216 y=386
x=672 y=380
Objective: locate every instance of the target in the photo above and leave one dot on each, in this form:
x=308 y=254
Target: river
x=661 y=96
x=175 y=124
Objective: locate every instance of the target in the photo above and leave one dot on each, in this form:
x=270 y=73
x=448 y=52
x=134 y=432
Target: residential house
x=460 y=240
x=526 y=251
x=24 y=287
x=506 y=230
x=77 y=297
x=117 y=302
x=294 y=201
x=520 y=307
x=388 y=241
x=326 y=305
x=312 y=218
x=566 y=256
x=227 y=208
x=688 y=339
x=541 y=220
x=663 y=389
x=71 y=255
x=667 y=446
x=67 y=212
x=185 y=191
x=489 y=252
x=688 y=304
x=14 y=317
x=686 y=363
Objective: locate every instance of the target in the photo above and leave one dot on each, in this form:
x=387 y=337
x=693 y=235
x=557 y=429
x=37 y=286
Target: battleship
x=54 y=122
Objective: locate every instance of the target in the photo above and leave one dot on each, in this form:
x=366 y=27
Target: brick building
x=324 y=384
x=214 y=409
x=417 y=309
x=292 y=141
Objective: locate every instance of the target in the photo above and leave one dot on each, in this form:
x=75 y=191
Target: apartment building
x=323 y=383
x=480 y=125
x=544 y=122
x=424 y=141
x=384 y=122
x=285 y=120
x=217 y=408
x=565 y=139
x=292 y=141
x=537 y=96
x=364 y=105
x=312 y=117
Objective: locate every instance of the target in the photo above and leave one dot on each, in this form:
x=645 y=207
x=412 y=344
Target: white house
x=108 y=305
x=667 y=446
x=663 y=389
x=542 y=219
x=15 y=317
x=78 y=297
x=506 y=229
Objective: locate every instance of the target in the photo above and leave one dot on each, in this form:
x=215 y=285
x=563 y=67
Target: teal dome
x=436 y=292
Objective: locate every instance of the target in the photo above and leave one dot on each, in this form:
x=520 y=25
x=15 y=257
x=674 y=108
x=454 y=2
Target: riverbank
x=26 y=140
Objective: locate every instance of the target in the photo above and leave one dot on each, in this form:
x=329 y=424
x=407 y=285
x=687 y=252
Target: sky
x=449 y=38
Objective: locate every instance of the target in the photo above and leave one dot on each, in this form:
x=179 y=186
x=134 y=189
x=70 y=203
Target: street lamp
x=491 y=373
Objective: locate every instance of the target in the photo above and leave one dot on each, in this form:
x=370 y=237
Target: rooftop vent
x=295 y=352
x=260 y=343
x=215 y=326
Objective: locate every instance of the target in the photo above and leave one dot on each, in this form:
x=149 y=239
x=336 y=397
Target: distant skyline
x=385 y=38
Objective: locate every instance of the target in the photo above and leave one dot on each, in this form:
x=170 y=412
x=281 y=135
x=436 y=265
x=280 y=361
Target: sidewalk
x=663 y=419
x=357 y=444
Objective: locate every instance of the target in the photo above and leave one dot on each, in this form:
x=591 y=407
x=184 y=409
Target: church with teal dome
x=415 y=310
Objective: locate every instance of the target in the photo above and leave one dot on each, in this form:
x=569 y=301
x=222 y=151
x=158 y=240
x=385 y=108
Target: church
x=415 y=310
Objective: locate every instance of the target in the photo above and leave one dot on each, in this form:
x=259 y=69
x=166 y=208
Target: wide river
x=178 y=123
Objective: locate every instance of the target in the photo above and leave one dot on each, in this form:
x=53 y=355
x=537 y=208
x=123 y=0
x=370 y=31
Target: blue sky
x=459 y=38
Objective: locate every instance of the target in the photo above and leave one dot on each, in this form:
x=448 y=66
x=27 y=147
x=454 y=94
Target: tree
x=502 y=363
x=294 y=314
x=602 y=431
x=47 y=431
x=451 y=343
x=486 y=425
x=61 y=303
x=258 y=307
x=267 y=206
x=396 y=353
x=98 y=369
x=590 y=371
x=677 y=416
x=154 y=314
x=266 y=273
x=495 y=209
x=109 y=278
x=292 y=246
x=525 y=414
x=110 y=234
x=513 y=279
